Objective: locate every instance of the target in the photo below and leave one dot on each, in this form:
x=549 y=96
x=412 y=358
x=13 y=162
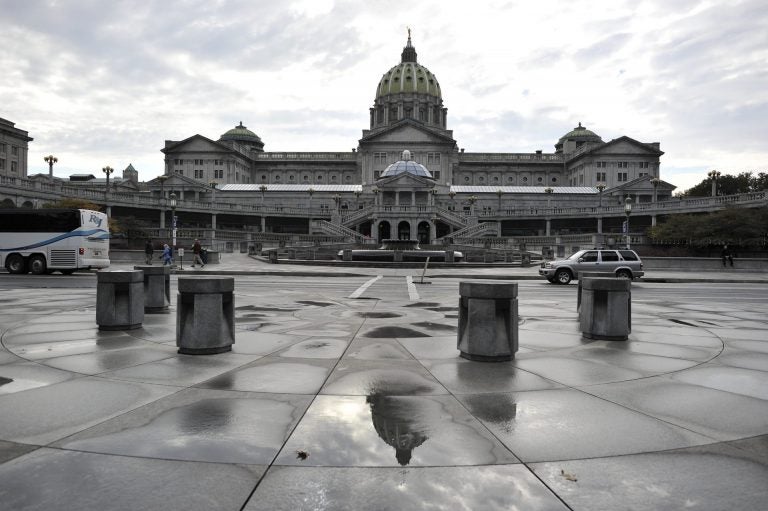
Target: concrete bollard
x=273 y=256
x=157 y=288
x=488 y=330
x=119 y=299
x=398 y=256
x=291 y=253
x=489 y=257
x=205 y=316
x=590 y=274
x=346 y=254
x=450 y=256
x=606 y=309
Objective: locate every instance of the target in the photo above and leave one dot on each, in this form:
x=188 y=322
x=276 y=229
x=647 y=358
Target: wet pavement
x=347 y=392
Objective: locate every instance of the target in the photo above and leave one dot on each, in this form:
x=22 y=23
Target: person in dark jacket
x=727 y=255
x=148 y=251
x=196 y=249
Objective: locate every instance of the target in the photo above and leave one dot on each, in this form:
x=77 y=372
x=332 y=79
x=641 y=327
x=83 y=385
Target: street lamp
x=107 y=170
x=713 y=175
x=549 y=191
x=50 y=159
x=162 y=180
x=499 y=193
x=655 y=182
x=337 y=200
x=472 y=199
x=357 y=199
x=600 y=187
x=627 y=211
x=173 y=220
x=262 y=189
x=311 y=192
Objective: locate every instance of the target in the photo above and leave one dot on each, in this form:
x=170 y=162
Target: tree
x=728 y=184
x=73 y=203
x=731 y=225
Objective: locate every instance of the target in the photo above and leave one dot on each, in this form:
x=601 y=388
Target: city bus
x=45 y=240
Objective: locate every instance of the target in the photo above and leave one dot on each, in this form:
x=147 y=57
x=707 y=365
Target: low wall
x=137 y=256
x=701 y=263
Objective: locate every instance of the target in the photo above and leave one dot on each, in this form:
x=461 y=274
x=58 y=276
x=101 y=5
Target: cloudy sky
x=106 y=82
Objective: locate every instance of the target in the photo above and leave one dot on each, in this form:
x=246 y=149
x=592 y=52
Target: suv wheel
x=563 y=276
x=624 y=274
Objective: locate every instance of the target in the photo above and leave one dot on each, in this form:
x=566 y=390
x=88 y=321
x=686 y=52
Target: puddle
x=251 y=327
x=443 y=309
x=681 y=322
x=394 y=331
x=435 y=326
x=378 y=315
x=4 y=381
x=318 y=304
x=423 y=304
x=451 y=316
x=263 y=309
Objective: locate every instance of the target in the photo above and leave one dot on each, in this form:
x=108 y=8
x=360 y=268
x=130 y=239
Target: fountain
x=408 y=249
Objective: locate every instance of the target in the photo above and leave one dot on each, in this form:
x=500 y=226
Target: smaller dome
x=581 y=133
x=405 y=165
x=242 y=134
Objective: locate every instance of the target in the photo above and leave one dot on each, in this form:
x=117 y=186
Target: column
x=432 y=231
x=213 y=226
x=414 y=229
x=263 y=224
x=653 y=220
x=397 y=197
x=109 y=211
x=413 y=198
x=162 y=219
x=600 y=225
x=549 y=223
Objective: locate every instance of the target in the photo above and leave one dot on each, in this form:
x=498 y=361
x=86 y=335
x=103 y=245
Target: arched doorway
x=404 y=230
x=423 y=233
x=384 y=231
x=7 y=203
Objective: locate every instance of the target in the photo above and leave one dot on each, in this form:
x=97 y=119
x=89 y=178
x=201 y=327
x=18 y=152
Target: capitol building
x=408 y=176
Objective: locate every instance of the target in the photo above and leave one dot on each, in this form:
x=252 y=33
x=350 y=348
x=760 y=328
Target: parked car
x=623 y=263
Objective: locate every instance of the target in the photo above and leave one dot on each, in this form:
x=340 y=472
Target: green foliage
x=73 y=203
x=728 y=184
x=732 y=225
x=130 y=226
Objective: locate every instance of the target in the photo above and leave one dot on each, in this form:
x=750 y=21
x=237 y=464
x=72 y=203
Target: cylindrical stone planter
x=590 y=274
x=606 y=309
x=205 y=315
x=157 y=288
x=488 y=330
x=119 y=299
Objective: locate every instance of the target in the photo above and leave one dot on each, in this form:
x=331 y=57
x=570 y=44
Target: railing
x=467 y=157
x=451 y=216
x=307 y=156
x=356 y=216
x=339 y=230
x=474 y=231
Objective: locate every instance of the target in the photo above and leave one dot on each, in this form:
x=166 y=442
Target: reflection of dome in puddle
x=393 y=419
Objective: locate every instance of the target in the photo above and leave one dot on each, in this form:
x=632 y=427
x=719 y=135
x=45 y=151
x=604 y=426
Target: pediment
x=197 y=143
x=407 y=132
x=626 y=145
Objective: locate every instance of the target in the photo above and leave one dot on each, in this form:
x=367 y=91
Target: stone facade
x=13 y=149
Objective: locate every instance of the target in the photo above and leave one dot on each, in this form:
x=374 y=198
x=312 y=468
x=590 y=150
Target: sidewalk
x=336 y=400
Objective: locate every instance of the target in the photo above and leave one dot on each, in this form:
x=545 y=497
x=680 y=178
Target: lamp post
x=499 y=193
x=337 y=200
x=549 y=191
x=375 y=196
x=713 y=175
x=472 y=199
x=600 y=187
x=628 y=211
x=262 y=189
x=213 y=190
x=311 y=192
x=162 y=180
x=173 y=221
x=655 y=182
x=107 y=170
x=357 y=199
x=452 y=194
x=50 y=160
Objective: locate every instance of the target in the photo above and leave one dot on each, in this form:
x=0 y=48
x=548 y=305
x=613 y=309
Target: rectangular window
x=14 y=150
x=2 y=163
x=622 y=176
x=179 y=171
x=643 y=165
x=433 y=159
x=622 y=164
x=199 y=173
x=219 y=173
x=642 y=174
x=13 y=166
x=218 y=163
x=436 y=174
x=602 y=164
x=601 y=177
x=379 y=158
x=2 y=148
x=178 y=162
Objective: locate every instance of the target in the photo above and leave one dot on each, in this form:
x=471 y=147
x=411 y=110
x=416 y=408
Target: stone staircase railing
x=339 y=230
x=474 y=231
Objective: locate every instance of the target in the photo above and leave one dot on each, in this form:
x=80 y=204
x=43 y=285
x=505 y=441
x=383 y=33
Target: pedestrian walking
x=727 y=255
x=148 y=251
x=167 y=255
x=196 y=249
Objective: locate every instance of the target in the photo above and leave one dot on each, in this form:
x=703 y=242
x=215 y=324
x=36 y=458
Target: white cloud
x=102 y=84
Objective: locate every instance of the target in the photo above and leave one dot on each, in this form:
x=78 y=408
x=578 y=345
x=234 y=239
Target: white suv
x=623 y=263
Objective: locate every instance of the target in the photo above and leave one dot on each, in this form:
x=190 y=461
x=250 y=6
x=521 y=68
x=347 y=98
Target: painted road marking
x=360 y=290
x=412 y=293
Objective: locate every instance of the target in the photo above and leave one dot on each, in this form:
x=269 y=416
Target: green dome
x=408 y=77
x=242 y=134
x=581 y=133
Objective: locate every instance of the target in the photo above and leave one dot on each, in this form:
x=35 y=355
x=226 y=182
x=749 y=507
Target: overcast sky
x=107 y=82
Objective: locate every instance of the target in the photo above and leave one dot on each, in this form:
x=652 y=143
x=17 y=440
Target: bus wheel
x=16 y=264
x=37 y=264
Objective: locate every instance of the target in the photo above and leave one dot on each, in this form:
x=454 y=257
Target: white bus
x=44 y=240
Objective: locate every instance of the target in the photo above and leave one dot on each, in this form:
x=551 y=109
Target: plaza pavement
x=330 y=401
